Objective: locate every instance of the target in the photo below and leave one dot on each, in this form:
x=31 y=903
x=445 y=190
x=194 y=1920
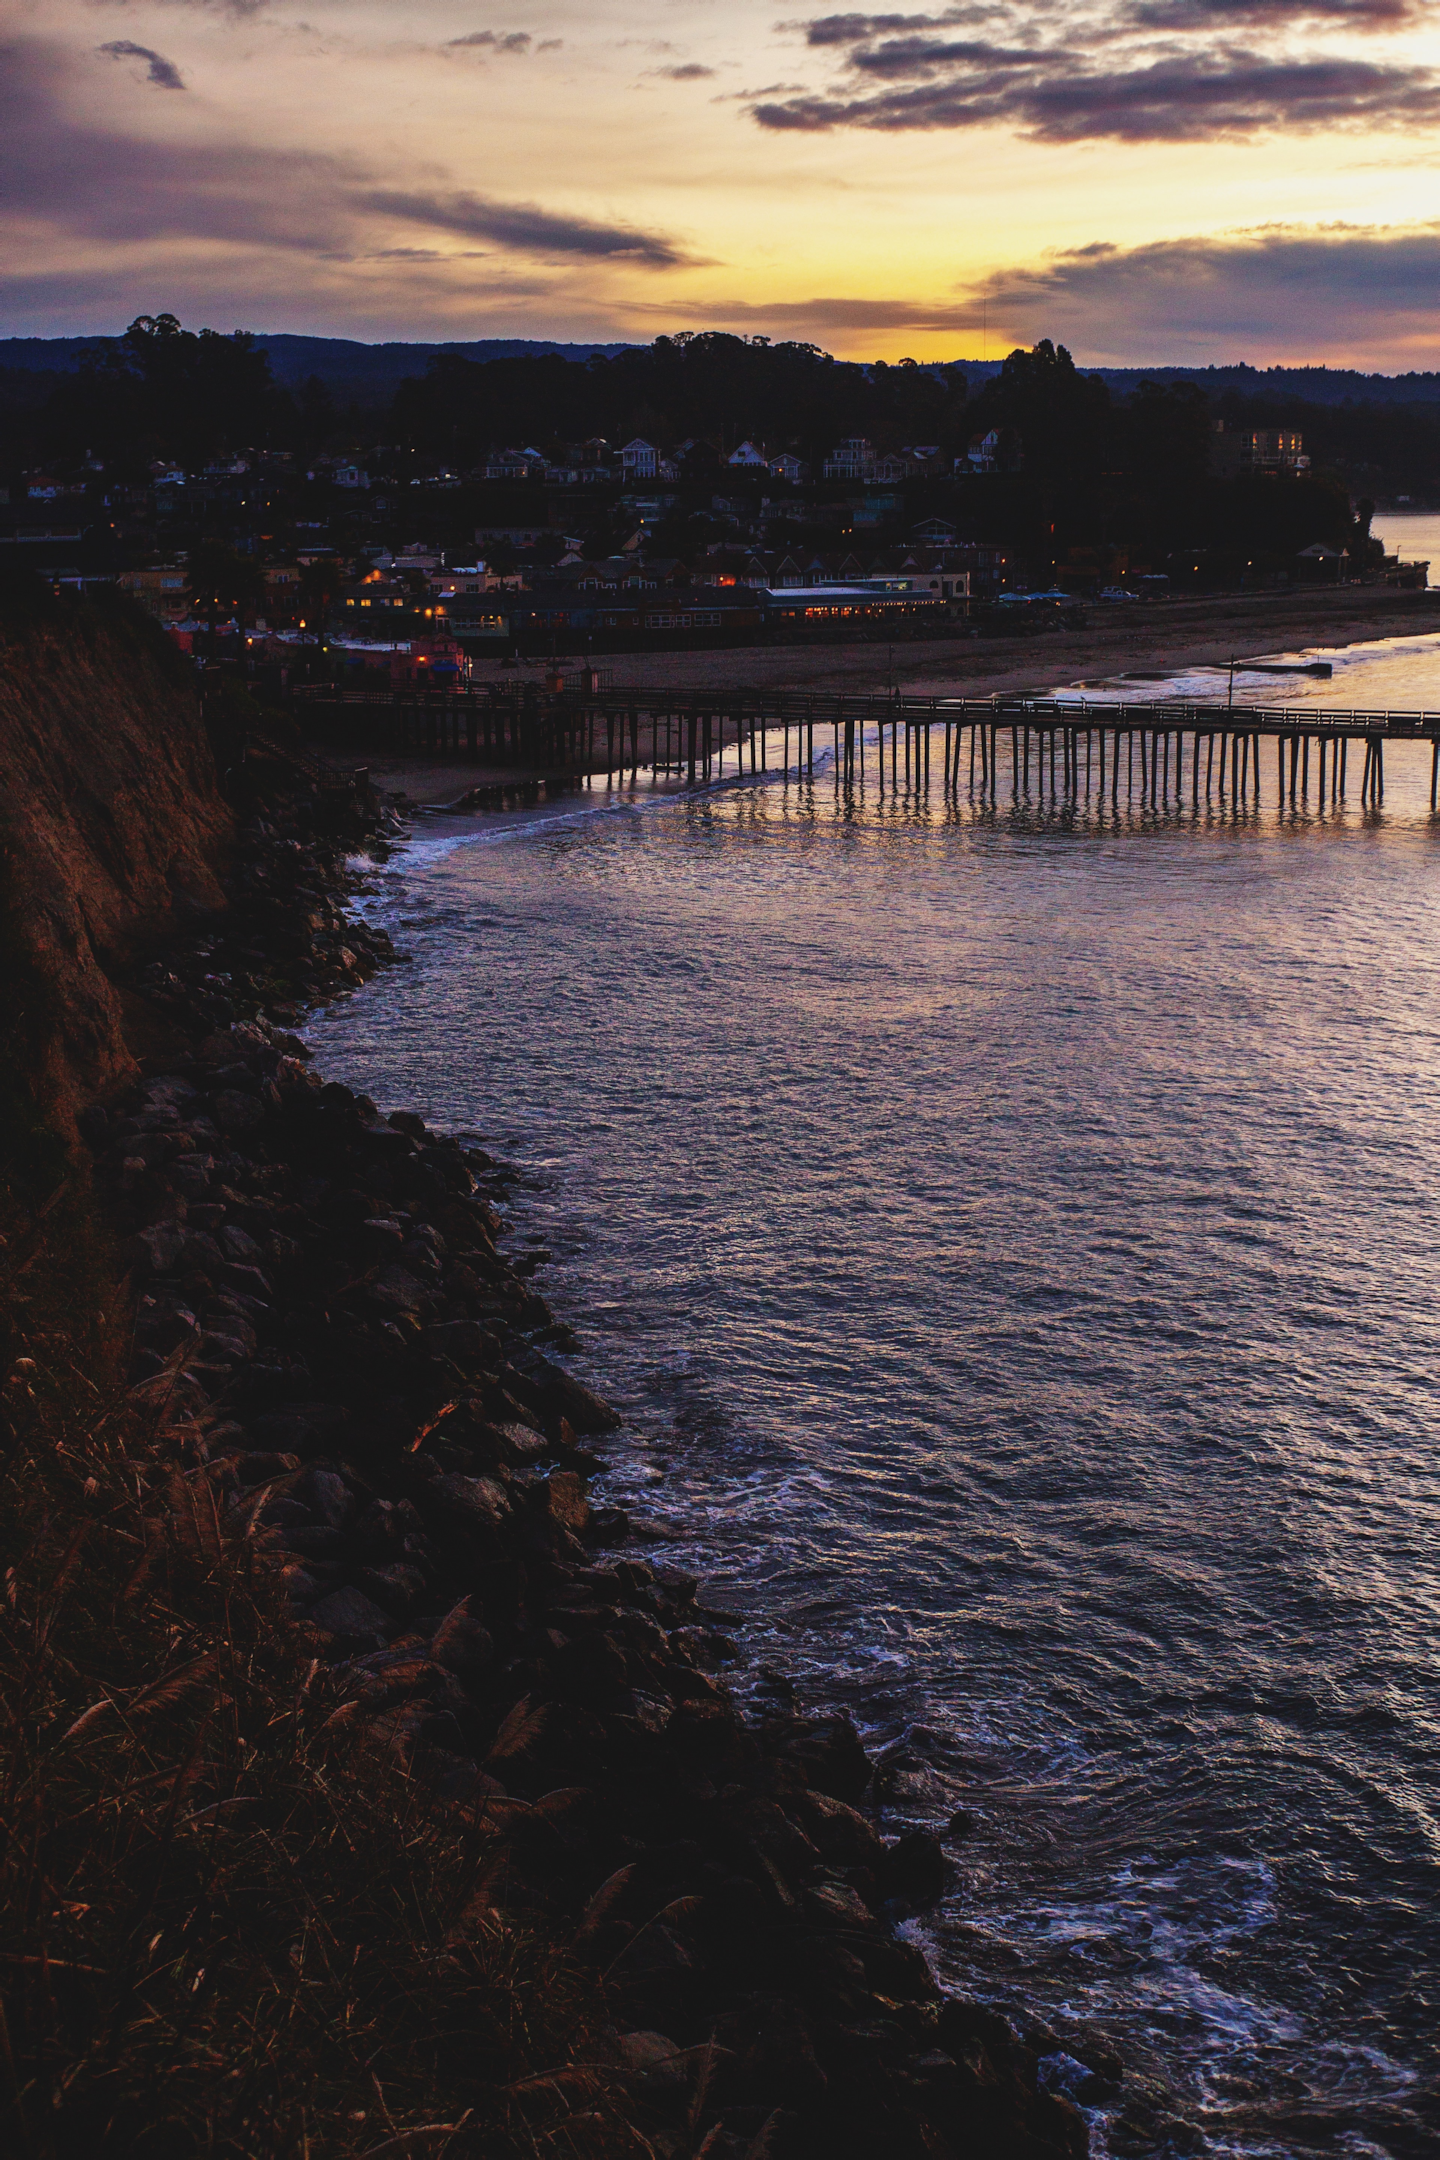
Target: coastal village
x=377 y=562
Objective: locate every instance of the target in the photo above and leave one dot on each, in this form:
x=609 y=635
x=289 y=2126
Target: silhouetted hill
x=368 y=372
x=1316 y=385
x=373 y=372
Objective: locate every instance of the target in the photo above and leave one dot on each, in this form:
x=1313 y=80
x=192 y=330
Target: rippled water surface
x=1014 y=1234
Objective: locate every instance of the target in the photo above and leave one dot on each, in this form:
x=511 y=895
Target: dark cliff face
x=344 y=1508
x=111 y=827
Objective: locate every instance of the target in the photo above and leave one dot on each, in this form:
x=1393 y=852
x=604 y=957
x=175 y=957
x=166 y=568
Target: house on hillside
x=161 y=591
x=852 y=459
x=512 y=465
x=590 y=462
x=639 y=460
x=1237 y=452
x=282 y=592
x=368 y=607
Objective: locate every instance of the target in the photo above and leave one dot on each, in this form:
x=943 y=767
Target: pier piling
x=1063 y=749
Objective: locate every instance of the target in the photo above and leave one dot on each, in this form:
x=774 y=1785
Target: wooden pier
x=1164 y=752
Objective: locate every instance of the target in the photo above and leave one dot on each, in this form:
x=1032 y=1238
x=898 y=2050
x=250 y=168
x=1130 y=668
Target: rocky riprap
x=286 y=940
x=327 y=1323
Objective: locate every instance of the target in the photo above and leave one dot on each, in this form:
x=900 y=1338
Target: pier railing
x=1073 y=742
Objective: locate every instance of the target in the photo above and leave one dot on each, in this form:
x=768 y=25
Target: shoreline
x=328 y=1370
x=1160 y=637
x=374 y=1390
x=1135 y=633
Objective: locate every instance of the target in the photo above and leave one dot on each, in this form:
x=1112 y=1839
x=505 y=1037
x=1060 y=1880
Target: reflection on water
x=1014 y=1233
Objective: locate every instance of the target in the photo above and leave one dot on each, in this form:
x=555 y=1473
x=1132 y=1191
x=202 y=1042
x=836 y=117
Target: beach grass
x=227 y=1924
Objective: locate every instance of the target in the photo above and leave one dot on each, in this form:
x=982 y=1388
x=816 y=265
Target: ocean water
x=1013 y=1234
x=1412 y=534
x=1394 y=675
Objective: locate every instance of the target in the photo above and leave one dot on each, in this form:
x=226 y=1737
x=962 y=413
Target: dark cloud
x=219 y=7
x=80 y=182
x=526 y=227
x=928 y=57
x=90 y=182
x=428 y=255
x=835 y=312
x=1359 y=295
x=854 y=29
x=158 y=70
x=1187 y=98
x=1350 y=294
x=505 y=41
x=416 y=299
x=1202 y=15
x=766 y=90
x=689 y=71
x=1096 y=71
x=1320 y=288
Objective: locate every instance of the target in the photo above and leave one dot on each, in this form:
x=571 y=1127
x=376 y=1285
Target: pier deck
x=1162 y=749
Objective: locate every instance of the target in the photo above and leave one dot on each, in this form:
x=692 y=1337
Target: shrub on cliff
x=225 y=1927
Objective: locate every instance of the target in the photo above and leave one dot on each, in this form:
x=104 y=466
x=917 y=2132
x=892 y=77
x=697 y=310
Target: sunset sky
x=1149 y=180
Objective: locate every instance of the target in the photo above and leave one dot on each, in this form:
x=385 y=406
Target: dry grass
x=224 y=1926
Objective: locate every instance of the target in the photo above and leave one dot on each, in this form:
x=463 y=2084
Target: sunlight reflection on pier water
x=1013 y=1233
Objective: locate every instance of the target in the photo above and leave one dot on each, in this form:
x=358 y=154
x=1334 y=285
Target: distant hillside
x=368 y=372
x=371 y=373
x=1316 y=385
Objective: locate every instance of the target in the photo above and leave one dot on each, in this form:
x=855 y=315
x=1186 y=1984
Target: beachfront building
x=1241 y=452
x=160 y=591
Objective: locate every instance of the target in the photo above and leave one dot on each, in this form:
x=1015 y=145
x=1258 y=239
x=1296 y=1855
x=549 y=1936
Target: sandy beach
x=1141 y=638
x=1163 y=636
